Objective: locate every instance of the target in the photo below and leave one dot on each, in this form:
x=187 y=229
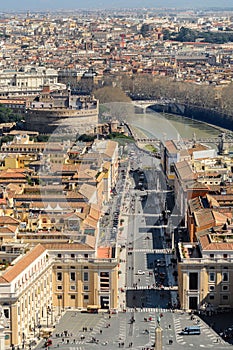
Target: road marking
x=149 y=250
x=151 y=310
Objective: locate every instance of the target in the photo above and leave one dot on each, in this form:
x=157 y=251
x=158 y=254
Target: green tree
x=7 y=115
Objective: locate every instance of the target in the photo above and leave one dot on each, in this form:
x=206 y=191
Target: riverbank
x=218 y=128
x=209 y=116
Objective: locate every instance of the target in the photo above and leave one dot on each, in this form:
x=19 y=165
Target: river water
x=170 y=126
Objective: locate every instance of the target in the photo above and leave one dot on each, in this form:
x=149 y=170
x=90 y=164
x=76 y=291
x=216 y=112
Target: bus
x=93 y=309
x=191 y=330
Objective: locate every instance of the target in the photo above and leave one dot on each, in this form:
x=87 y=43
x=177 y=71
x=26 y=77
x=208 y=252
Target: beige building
x=205 y=270
x=83 y=276
x=25 y=294
x=50 y=278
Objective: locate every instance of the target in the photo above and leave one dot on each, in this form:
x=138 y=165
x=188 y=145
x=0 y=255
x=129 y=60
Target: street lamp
x=49 y=312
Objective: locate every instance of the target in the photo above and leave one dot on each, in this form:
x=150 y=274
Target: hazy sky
x=75 y=4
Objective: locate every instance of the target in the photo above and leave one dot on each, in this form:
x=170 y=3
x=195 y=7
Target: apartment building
x=25 y=294
x=205 y=270
x=53 y=277
x=83 y=276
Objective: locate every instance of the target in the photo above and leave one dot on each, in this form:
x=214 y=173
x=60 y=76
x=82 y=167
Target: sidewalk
x=122 y=241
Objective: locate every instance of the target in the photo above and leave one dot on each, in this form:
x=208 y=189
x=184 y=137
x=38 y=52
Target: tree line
x=190 y=35
x=147 y=87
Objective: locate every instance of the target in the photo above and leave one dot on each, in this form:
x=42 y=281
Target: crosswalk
x=148 y=309
x=175 y=288
x=155 y=251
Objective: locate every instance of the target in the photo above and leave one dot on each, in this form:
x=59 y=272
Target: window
x=72 y=276
x=72 y=287
x=225 y=288
x=211 y=276
x=59 y=287
x=225 y=277
x=59 y=297
x=6 y=313
x=85 y=288
x=85 y=255
x=104 y=274
x=59 y=276
x=211 y=297
x=72 y=296
x=72 y=256
x=85 y=276
x=211 y=288
x=85 y=267
x=225 y=256
x=225 y=297
x=212 y=256
x=193 y=281
x=86 y=297
x=59 y=255
x=172 y=168
x=72 y=267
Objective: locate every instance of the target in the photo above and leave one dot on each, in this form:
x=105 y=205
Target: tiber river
x=159 y=125
x=170 y=126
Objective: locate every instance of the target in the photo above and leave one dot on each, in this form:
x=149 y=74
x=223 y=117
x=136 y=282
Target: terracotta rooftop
x=8 y=220
x=13 y=271
x=104 y=252
x=185 y=171
x=67 y=246
x=171 y=147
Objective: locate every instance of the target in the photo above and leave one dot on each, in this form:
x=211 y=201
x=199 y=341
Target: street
x=147 y=284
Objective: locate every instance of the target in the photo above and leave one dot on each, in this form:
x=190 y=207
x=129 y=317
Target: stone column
x=2 y=338
x=158 y=338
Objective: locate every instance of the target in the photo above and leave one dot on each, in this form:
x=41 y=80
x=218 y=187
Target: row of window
x=225 y=288
x=225 y=256
x=224 y=297
x=225 y=276
x=72 y=256
x=73 y=276
x=73 y=287
x=73 y=296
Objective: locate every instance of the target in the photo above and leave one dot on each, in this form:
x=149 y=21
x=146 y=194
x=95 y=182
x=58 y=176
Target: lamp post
x=49 y=312
x=39 y=327
x=34 y=327
x=47 y=317
x=59 y=304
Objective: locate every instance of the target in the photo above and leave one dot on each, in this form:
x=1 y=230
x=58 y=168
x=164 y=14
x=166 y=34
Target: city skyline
x=14 y=5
